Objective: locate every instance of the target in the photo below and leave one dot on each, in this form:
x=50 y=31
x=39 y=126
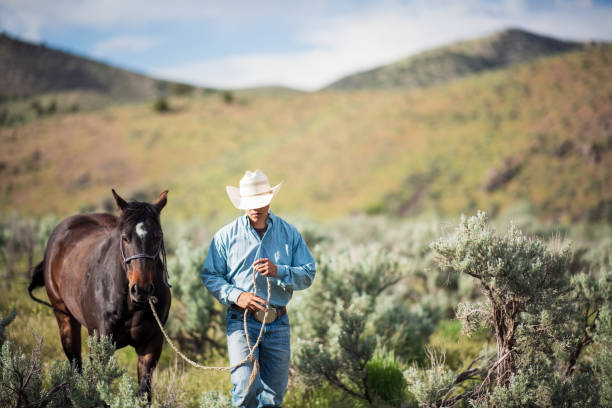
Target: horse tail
x=38 y=280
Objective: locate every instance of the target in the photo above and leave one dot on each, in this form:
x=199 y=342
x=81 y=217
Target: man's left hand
x=265 y=267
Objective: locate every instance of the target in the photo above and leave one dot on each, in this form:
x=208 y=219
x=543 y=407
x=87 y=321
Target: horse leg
x=148 y=355
x=70 y=333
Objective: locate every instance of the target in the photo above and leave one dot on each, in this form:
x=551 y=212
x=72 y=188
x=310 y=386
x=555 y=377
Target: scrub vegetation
x=412 y=306
x=403 y=312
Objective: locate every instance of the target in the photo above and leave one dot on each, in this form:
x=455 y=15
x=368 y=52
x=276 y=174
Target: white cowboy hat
x=254 y=191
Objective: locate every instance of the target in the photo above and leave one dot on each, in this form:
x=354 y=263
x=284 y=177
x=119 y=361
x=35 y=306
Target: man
x=262 y=242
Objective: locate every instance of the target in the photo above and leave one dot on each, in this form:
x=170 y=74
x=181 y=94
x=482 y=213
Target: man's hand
x=248 y=300
x=265 y=267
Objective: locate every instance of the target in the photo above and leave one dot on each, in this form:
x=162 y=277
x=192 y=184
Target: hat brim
x=251 y=202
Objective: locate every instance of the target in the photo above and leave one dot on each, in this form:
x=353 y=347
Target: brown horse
x=99 y=271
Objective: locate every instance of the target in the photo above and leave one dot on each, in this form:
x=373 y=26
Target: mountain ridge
x=30 y=69
x=460 y=59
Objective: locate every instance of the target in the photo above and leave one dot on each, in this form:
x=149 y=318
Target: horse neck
x=118 y=273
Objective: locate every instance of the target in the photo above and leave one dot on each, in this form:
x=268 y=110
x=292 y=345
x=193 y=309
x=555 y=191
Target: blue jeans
x=273 y=354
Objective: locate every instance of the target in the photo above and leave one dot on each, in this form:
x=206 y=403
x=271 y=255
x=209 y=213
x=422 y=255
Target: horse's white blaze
x=140 y=230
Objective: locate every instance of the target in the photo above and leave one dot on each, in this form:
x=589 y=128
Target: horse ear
x=161 y=201
x=121 y=203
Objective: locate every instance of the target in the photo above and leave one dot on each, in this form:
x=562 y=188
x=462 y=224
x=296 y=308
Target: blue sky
x=301 y=44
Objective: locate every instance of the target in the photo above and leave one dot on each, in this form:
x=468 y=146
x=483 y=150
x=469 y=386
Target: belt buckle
x=272 y=313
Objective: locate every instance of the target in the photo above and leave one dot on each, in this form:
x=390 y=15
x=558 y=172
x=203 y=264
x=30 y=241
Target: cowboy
x=257 y=245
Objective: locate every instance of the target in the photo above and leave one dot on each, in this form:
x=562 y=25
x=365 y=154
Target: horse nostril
x=134 y=290
x=149 y=288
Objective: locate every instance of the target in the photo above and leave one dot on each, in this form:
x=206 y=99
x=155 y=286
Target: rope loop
x=249 y=358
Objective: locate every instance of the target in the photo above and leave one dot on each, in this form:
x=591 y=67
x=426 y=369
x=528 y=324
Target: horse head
x=141 y=242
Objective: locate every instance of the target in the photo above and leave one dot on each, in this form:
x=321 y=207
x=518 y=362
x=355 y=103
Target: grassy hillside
x=536 y=133
x=465 y=58
x=38 y=81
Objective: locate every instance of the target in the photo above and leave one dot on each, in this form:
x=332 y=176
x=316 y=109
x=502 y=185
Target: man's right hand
x=251 y=301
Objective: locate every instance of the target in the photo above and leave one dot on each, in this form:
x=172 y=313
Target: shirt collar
x=269 y=221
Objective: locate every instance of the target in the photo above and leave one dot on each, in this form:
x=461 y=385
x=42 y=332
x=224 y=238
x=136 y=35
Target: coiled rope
x=250 y=357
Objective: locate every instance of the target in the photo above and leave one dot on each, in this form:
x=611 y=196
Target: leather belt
x=274 y=313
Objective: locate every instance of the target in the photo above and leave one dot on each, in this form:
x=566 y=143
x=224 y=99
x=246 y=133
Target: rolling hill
x=28 y=69
x=535 y=133
x=465 y=58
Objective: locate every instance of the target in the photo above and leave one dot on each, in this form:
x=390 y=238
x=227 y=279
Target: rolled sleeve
x=233 y=295
x=214 y=274
x=281 y=272
x=300 y=274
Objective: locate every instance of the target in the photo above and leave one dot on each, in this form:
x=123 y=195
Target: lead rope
x=249 y=357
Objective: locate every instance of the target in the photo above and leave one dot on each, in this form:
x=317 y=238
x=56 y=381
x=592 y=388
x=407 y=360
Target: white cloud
x=306 y=70
x=125 y=43
x=27 y=18
x=343 y=45
x=21 y=19
x=337 y=46
x=574 y=3
x=369 y=35
x=514 y=6
x=36 y=14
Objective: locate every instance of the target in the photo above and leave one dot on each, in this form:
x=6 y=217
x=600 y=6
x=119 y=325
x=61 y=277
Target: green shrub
x=52 y=107
x=24 y=382
x=214 y=399
x=515 y=272
x=125 y=397
x=430 y=386
x=22 y=376
x=4 y=322
x=179 y=88
x=385 y=379
x=340 y=363
x=37 y=107
x=17 y=244
x=4 y=116
x=403 y=330
x=603 y=355
x=228 y=97
x=161 y=105
x=542 y=312
x=196 y=320
x=353 y=309
x=324 y=396
x=91 y=386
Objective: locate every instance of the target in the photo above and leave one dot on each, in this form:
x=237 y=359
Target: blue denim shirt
x=227 y=271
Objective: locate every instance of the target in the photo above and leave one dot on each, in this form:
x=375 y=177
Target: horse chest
x=141 y=329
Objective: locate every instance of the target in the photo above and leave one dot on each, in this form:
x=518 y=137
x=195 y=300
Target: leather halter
x=160 y=248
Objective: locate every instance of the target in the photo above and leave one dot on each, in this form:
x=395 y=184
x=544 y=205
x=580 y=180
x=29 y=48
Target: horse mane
x=137 y=211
